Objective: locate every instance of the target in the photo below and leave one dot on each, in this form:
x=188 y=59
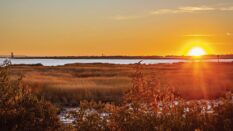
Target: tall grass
x=68 y=85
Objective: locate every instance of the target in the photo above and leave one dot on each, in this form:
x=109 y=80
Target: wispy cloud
x=229 y=34
x=207 y=35
x=198 y=35
x=185 y=9
x=121 y=17
x=179 y=10
x=195 y=8
x=226 y=8
x=164 y=11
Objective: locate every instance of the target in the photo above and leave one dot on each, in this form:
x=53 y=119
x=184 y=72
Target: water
x=207 y=106
x=57 y=62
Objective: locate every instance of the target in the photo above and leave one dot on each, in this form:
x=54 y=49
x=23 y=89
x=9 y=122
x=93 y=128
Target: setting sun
x=196 y=51
x=197 y=47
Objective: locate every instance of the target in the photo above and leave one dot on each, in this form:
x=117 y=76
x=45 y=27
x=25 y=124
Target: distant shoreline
x=123 y=57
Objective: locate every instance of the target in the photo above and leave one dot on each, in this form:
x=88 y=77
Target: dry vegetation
x=152 y=105
x=152 y=102
x=20 y=110
x=106 y=82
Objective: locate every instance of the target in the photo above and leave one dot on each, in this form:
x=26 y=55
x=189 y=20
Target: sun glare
x=196 y=51
x=196 y=48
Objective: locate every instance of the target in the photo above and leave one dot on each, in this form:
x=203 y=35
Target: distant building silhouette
x=12 y=55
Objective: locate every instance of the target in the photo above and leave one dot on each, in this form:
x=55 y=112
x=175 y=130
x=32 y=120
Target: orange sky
x=117 y=27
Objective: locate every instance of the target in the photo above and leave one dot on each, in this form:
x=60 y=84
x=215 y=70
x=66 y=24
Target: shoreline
x=123 y=57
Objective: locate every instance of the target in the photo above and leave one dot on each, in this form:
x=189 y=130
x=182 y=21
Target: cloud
x=226 y=8
x=195 y=8
x=229 y=34
x=207 y=35
x=121 y=17
x=198 y=35
x=164 y=11
x=179 y=10
x=185 y=9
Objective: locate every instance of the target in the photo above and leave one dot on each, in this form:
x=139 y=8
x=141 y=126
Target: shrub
x=152 y=106
x=20 y=110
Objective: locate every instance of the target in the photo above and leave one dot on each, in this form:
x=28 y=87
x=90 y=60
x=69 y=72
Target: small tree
x=150 y=90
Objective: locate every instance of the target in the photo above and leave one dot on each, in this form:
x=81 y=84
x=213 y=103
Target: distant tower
x=12 y=55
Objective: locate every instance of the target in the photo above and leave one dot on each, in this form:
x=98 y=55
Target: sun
x=196 y=51
x=196 y=48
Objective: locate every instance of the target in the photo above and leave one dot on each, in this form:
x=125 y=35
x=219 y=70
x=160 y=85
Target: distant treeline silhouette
x=228 y=56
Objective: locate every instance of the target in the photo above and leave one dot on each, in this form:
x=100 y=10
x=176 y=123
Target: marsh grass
x=69 y=84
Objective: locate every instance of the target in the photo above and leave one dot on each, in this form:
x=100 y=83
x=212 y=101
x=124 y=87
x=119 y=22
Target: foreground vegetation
x=151 y=104
x=20 y=110
x=137 y=117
